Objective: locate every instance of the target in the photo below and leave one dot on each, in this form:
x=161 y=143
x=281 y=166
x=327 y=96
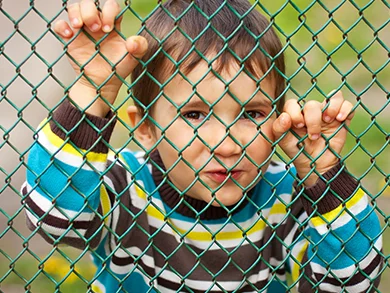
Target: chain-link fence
x=328 y=45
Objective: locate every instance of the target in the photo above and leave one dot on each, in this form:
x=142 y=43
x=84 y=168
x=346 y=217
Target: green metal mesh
x=329 y=44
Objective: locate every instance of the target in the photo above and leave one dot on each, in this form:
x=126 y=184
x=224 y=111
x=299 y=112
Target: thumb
x=281 y=125
x=137 y=46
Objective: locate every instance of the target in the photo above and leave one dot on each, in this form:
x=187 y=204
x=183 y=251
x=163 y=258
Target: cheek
x=260 y=148
x=180 y=135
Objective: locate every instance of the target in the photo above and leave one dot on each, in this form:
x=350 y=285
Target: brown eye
x=194 y=115
x=252 y=114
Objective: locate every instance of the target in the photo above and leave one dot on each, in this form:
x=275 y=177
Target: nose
x=225 y=143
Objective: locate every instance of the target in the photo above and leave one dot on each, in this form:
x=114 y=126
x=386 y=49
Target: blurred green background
x=330 y=44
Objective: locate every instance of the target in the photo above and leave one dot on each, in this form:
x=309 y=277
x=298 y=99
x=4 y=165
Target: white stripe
x=55 y=230
x=101 y=286
x=46 y=205
x=290 y=238
x=204 y=285
x=68 y=158
x=136 y=252
x=358 y=288
x=279 y=168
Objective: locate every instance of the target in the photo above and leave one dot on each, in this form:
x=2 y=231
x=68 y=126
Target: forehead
x=210 y=85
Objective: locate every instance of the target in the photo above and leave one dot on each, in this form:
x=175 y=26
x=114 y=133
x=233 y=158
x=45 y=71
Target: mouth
x=220 y=176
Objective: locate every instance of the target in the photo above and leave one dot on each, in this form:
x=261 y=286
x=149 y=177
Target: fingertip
x=137 y=46
x=63 y=29
x=285 y=122
x=132 y=45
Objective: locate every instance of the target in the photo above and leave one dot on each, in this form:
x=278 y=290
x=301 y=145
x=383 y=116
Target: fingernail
x=340 y=116
x=327 y=119
x=300 y=125
x=94 y=27
x=67 y=32
x=106 y=28
x=75 y=21
x=314 y=136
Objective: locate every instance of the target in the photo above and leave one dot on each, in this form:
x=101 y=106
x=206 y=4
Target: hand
x=114 y=48
x=319 y=127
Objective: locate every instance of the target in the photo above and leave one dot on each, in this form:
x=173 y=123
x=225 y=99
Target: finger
x=75 y=15
x=332 y=107
x=313 y=119
x=281 y=125
x=294 y=111
x=110 y=10
x=289 y=142
x=345 y=112
x=137 y=46
x=90 y=15
x=63 y=29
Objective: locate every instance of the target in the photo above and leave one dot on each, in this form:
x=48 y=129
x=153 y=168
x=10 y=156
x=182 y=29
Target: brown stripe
x=341 y=187
x=124 y=261
x=71 y=241
x=246 y=258
x=55 y=221
x=90 y=226
x=82 y=134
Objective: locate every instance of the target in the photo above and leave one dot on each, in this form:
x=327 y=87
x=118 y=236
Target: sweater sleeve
x=65 y=195
x=339 y=248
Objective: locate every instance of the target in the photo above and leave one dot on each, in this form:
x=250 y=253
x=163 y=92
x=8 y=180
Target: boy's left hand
x=318 y=126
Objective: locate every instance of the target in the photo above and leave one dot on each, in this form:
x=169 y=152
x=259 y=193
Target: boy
x=204 y=209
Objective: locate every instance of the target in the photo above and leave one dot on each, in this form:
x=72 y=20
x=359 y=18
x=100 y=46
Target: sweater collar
x=184 y=204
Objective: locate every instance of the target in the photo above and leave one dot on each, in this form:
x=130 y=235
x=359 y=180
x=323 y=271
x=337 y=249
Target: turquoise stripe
x=358 y=246
x=53 y=181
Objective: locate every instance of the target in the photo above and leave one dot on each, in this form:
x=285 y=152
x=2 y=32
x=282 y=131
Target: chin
x=226 y=201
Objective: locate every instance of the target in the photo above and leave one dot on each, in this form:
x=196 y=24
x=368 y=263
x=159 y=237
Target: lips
x=220 y=176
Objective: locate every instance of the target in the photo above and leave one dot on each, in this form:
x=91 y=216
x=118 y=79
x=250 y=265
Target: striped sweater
x=146 y=237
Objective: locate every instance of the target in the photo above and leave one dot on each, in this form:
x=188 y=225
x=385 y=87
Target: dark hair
x=173 y=26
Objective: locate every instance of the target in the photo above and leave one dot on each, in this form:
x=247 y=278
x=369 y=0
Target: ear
x=142 y=130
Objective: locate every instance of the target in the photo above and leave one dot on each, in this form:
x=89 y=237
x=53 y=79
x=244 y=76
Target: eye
x=194 y=115
x=252 y=114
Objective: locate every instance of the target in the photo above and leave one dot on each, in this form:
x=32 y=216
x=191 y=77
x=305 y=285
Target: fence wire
x=328 y=44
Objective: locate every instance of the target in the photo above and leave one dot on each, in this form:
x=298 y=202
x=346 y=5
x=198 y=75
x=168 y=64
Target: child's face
x=211 y=133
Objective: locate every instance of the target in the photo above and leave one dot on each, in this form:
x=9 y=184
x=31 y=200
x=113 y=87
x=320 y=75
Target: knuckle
x=89 y=17
x=290 y=104
x=312 y=104
x=73 y=7
x=58 y=25
x=331 y=110
x=348 y=104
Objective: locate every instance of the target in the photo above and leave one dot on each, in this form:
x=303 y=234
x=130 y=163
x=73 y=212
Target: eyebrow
x=264 y=102
x=191 y=103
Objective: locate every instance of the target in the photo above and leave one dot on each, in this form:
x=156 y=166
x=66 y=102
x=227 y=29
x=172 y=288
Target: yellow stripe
x=105 y=201
x=299 y=257
x=68 y=148
x=207 y=236
x=330 y=216
x=96 y=289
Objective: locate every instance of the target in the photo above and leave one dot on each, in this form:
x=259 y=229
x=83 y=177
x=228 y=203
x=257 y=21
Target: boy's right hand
x=82 y=50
